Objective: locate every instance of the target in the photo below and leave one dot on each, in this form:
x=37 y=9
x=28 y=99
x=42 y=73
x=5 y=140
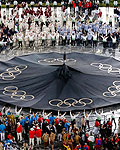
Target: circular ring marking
x=53 y=60
x=113 y=90
x=83 y=99
x=21 y=67
x=11 y=73
x=16 y=94
x=11 y=88
x=62 y=103
x=70 y=102
x=54 y=100
x=50 y=60
x=108 y=94
x=27 y=97
x=19 y=93
x=106 y=67
x=16 y=97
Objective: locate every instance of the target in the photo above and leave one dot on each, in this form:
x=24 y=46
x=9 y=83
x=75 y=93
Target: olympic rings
x=113 y=90
x=70 y=102
x=11 y=73
x=16 y=94
x=106 y=67
x=55 y=60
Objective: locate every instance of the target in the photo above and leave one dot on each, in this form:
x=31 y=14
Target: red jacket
x=19 y=129
x=74 y=5
x=96 y=124
x=38 y=133
x=86 y=147
x=100 y=13
x=48 y=121
x=99 y=142
x=86 y=4
x=110 y=124
x=31 y=134
x=117 y=141
x=1 y=114
x=10 y=137
x=80 y=4
x=57 y=121
x=90 y=4
x=40 y=119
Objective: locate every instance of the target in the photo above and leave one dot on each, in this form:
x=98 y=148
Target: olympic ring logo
x=70 y=102
x=106 y=67
x=11 y=73
x=55 y=60
x=113 y=90
x=17 y=94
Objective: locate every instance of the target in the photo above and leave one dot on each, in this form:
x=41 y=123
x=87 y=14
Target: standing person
x=107 y=3
x=73 y=21
x=2 y=131
x=84 y=40
x=11 y=42
x=73 y=38
x=68 y=38
x=31 y=39
x=26 y=127
x=119 y=126
x=87 y=118
x=113 y=118
x=45 y=115
x=17 y=113
x=73 y=118
x=114 y=46
x=40 y=120
x=99 y=115
x=77 y=139
x=52 y=140
x=19 y=131
x=45 y=138
x=15 y=3
x=91 y=140
x=70 y=141
x=85 y=147
x=61 y=116
x=110 y=21
x=98 y=143
x=31 y=136
x=59 y=131
x=43 y=39
x=104 y=41
x=95 y=39
x=89 y=38
x=38 y=135
x=96 y=128
x=20 y=38
x=83 y=122
x=115 y=3
x=53 y=38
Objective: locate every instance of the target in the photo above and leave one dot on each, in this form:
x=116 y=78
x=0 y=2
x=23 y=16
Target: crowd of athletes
x=83 y=26
x=27 y=131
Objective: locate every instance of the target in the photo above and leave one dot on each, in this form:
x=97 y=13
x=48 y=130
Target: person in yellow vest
x=67 y=147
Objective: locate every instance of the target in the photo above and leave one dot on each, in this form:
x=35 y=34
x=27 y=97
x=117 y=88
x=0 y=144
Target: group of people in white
x=33 y=27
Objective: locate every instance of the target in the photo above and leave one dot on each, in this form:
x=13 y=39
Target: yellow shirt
x=68 y=148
